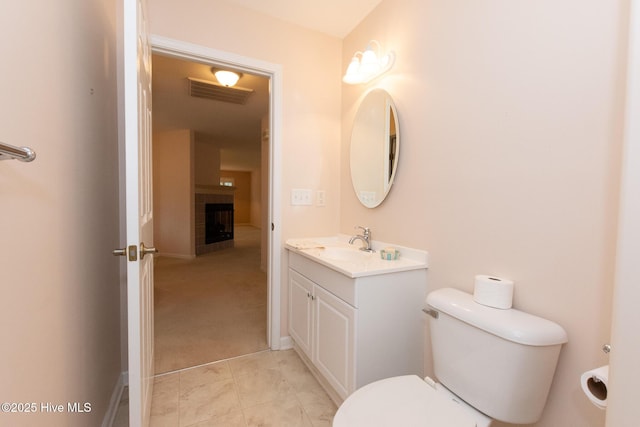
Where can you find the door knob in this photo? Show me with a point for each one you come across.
(119, 252)
(146, 250)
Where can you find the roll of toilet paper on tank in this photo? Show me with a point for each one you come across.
(595, 384)
(493, 292)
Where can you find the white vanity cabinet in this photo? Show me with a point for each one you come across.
(356, 330)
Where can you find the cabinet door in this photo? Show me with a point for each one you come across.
(300, 291)
(334, 340)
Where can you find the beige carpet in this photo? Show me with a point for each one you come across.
(210, 308)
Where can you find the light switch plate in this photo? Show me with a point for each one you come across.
(321, 197)
(301, 197)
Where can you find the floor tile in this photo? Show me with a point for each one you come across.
(201, 402)
(262, 387)
(253, 363)
(318, 406)
(234, 418)
(281, 413)
(204, 374)
(164, 403)
(272, 388)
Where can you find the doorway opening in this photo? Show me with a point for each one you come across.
(258, 235)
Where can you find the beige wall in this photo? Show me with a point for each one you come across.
(255, 215)
(510, 118)
(242, 195)
(207, 161)
(173, 193)
(60, 300)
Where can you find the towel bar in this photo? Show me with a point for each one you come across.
(8, 152)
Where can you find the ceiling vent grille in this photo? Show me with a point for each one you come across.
(214, 91)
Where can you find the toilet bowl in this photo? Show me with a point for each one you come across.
(407, 401)
(491, 364)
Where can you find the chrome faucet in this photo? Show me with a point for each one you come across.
(365, 237)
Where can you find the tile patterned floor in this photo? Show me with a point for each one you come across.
(270, 388)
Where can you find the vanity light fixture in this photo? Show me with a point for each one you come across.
(225, 77)
(366, 66)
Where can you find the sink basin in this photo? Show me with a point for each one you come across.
(344, 254)
(334, 252)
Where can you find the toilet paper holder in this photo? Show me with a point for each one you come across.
(597, 387)
(594, 382)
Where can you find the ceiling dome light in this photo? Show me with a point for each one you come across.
(226, 78)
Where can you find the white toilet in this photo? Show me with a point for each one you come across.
(490, 364)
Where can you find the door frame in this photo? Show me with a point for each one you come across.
(191, 52)
(625, 350)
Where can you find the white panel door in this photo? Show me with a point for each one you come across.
(139, 215)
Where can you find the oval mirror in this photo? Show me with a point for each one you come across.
(375, 144)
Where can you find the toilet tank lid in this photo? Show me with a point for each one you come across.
(511, 324)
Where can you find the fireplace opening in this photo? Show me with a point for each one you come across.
(218, 222)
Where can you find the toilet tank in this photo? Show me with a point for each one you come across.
(501, 362)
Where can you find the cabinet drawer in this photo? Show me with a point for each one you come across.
(334, 282)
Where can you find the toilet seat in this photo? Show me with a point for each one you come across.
(406, 401)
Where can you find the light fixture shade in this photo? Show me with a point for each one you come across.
(352, 76)
(369, 66)
(227, 78)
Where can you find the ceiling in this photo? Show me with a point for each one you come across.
(334, 17)
(236, 128)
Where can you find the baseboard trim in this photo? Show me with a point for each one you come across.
(114, 403)
(179, 256)
(286, 343)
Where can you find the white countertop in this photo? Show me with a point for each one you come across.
(336, 253)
